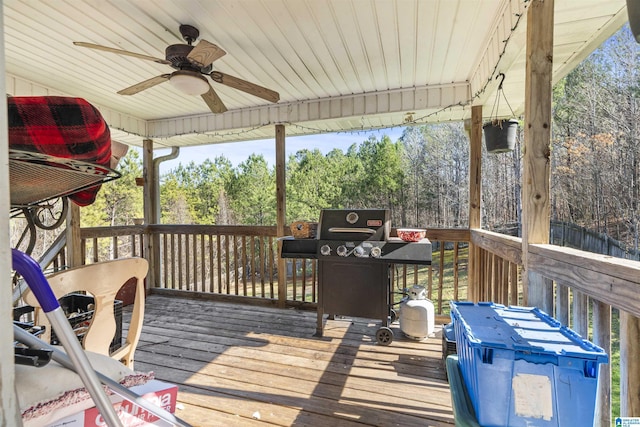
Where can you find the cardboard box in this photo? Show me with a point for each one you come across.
(159, 393)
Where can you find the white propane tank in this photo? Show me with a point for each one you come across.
(417, 314)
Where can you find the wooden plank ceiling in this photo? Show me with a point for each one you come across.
(337, 64)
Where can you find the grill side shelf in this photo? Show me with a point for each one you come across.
(400, 252)
(298, 248)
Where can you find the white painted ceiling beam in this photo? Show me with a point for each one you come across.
(391, 101)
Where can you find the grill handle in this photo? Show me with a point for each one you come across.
(351, 230)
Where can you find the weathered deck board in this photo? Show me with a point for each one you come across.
(235, 364)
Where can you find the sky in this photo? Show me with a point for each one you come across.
(238, 152)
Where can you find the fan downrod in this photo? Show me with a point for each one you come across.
(189, 33)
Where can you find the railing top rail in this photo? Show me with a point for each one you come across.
(449, 234)
(613, 281)
(507, 247)
(120, 230)
(435, 234)
(237, 230)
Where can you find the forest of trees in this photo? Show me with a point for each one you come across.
(423, 176)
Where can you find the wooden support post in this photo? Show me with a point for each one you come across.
(75, 256)
(150, 180)
(538, 291)
(475, 201)
(281, 202)
(629, 365)
(10, 412)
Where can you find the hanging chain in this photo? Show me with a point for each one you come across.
(496, 102)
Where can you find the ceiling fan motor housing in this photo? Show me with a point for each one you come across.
(177, 55)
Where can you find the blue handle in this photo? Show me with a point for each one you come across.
(30, 270)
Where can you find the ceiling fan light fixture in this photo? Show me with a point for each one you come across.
(189, 82)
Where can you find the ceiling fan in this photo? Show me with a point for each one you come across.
(192, 64)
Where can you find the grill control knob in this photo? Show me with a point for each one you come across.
(342, 250)
(376, 252)
(325, 250)
(360, 252)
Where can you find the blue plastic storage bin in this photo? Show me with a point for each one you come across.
(523, 368)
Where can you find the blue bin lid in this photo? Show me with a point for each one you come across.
(522, 329)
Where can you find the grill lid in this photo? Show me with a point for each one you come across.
(354, 224)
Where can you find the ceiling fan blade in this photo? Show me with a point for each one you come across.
(139, 87)
(122, 52)
(205, 53)
(213, 101)
(245, 86)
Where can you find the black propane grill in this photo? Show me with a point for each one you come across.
(355, 254)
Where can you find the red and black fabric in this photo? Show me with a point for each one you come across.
(65, 127)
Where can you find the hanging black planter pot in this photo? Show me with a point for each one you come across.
(500, 135)
(633, 10)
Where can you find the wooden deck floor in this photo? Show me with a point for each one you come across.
(240, 365)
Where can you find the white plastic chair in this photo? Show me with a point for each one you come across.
(102, 280)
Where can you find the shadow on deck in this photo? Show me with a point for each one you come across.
(241, 365)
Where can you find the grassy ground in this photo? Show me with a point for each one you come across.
(432, 281)
(614, 360)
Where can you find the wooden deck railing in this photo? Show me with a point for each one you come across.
(107, 243)
(241, 261)
(499, 260)
(224, 260)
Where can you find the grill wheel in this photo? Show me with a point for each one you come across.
(384, 336)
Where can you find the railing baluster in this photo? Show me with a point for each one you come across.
(194, 238)
(202, 263)
(294, 276)
(441, 277)
(404, 276)
(271, 264)
(243, 259)
(562, 304)
(95, 249)
(262, 258)
(580, 314)
(219, 261)
(211, 270)
(234, 267)
(114, 246)
(488, 263)
(456, 270)
(165, 268)
(180, 259)
(430, 282)
(304, 280)
(226, 264)
(504, 266)
(252, 264)
(63, 256)
(187, 266)
(314, 270)
(174, 264)
(513, 285)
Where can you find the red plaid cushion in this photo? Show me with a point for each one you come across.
(64, 127)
